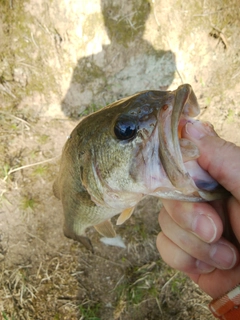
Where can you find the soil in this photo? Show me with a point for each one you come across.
(60, 60)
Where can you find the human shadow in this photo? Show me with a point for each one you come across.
(125, 66)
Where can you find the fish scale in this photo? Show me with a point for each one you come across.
(126, 151)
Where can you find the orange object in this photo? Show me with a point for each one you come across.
(228, 306)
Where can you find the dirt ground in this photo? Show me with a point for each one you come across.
(63, 59)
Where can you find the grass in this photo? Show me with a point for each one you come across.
(90, 109)
(5, 171)
(139, 285)
(28, 203)
(230, 116)
(44, 138)
(17, 287)
(40, 171)
(89, 312)
(5, 317)
(141, 230)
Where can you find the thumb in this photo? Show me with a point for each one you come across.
(219, 157)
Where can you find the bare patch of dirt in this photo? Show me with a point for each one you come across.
(61, 59)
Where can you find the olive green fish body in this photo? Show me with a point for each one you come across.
(126, 151)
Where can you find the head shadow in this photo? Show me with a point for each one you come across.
(123, 21)
(128, 64)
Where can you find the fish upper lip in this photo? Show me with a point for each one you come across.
(184, 105)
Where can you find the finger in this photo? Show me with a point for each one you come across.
(217, 156)
(234, 216)
(217, 282)
(222, 254)
(178, 259)
(200, 219)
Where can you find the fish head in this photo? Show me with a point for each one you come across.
(133, 148)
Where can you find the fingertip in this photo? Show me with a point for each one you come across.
(204, 267)
(201, 219)
(204, 227)
(198, 129)
(224, 254)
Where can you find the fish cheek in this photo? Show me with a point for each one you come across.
(137, 165)
(144, 140)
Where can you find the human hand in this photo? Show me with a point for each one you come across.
(192, 238)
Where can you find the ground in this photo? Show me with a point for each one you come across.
(58, 61)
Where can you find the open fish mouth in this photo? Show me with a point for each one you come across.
(179, 155)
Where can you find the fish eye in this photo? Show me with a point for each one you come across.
(125, 128)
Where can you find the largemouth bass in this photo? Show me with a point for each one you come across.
(126, 151)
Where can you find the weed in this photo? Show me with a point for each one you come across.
(14, 127)
(43, 138)
(230, 116)
(139, 284)
(90, 109)
(28, 203)
(177, 284)
(89, 312)
(4, 316)
(40, 171)
(141, 229)
(208, 101)
(5, 170)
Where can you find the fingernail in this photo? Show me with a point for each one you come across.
(204, 227)
(199, 129)
(204, 267)
(223, 255)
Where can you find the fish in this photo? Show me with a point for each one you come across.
(126, 151)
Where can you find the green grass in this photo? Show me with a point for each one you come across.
(43, 138)
(4, 170)
(90, 109)
(28, 203)
(40, 171)
(230, 116)
(177, 284)
(90, 312)
(5, 316)
(139, 284)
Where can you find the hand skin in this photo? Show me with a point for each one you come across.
(192, 238)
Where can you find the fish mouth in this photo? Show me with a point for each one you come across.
(177, 154)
